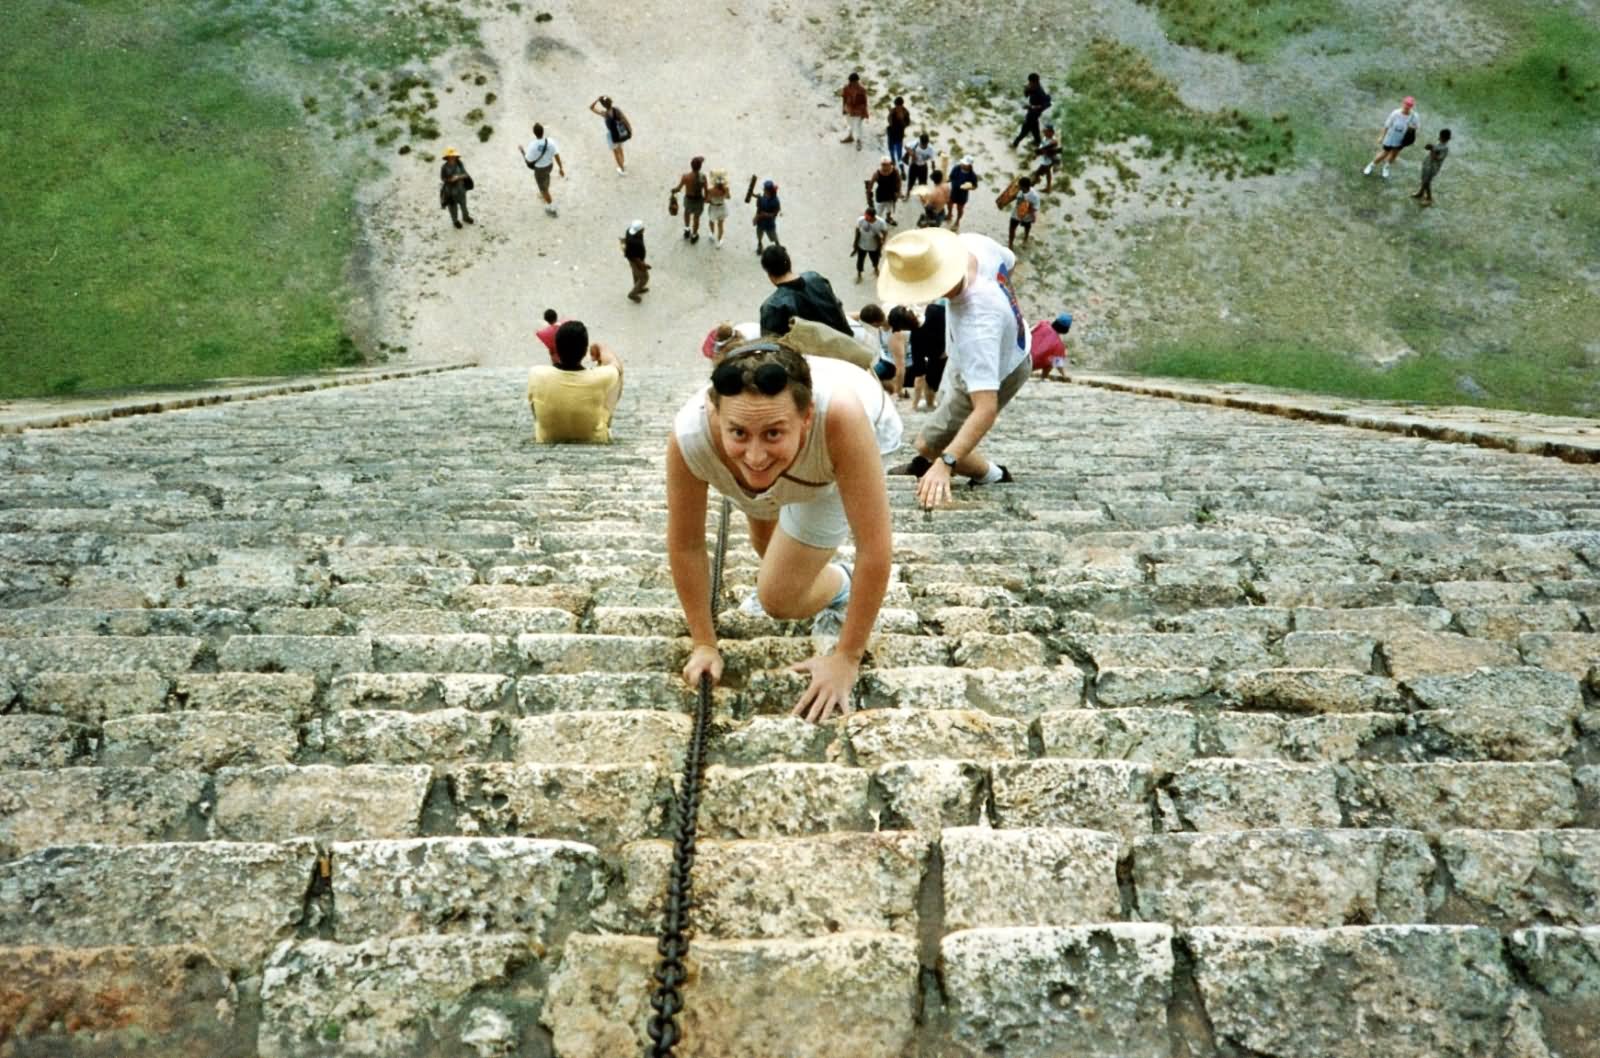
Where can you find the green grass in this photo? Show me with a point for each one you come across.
(1250, 30)
(171, 224)
(1538, 380)
(1547, 88)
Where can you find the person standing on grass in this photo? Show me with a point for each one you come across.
(796, 443)
(869, 235)
(717, 195)
(883, 189)
(767, 209)
(454, 183)
(1048, 154)
(1437, 153)
(571, 405)
(919, 160)
(633, 250)
(1024, 211)
(988, 349)
(541, 154)
(693, 184)
(895, 134)
(806, 295)
(963, 178)
(1399, 130)
(1038, 101)
(855, 110)
(618, 129)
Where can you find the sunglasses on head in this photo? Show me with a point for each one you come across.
(730, 379)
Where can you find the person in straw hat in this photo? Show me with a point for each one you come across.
(454, 183)
(717, 196)
(988, 354)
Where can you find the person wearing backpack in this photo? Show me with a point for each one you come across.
(1024, 211)
(1038, 103)
(541, 154)
(618, 129)
(693, 185)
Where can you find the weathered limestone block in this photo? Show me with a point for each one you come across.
(928, 795)
(1508, 878)
(1435, 797)
(1268, 621)
(1112, 796)
(1029, 877)
(1224, 794)
(414, 623)
(1045, 992)
(151, 895)
(1247, 736)
(590, 653)
(91, 697)
(557, 692)
(509, 622)
(1508, 621)
(388, 736)
(640, 621)
(1318, 878)
(168, 655)
(913, 687)
(1336, 738)
(783, 800)
(321, 656)
(1176, 651)
(770, 739)
(108, 1002)
(1119, 688)
(28, 742)
(1354, 992)
(1311, 691)
(1500, 691)
(1166, 739)
(115, 806)
(845, 994)
(353, 803)
(892, 651)
(1562, 966)
(419, 691)
(1532, 734)
(1461, 594)
(466, 652)
(1024, 693)
(544, 889)
(981, 650)
(199, 741)
(242, 692)
(1352, 651)
(1574, 653)
(883, 736)
(787, 887)
(606, 805)
(293, 621)
(1413, 654)
(624, 736)
(1380, 621)
(392, 996)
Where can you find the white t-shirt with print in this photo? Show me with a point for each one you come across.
(541, 154)
(1395, 127)
(988, 337)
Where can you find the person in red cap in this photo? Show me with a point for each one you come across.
(1398, 131)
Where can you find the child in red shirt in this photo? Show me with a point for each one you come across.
(1049, 351)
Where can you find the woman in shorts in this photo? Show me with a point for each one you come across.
(618, 129)
(796, 443)
(717, 203)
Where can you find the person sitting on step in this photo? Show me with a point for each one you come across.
(796, 443)
(572, 405)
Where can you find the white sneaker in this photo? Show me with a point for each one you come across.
(621, 171)
(1368, 170)
(1386, 172)
(830, 619)
(751, 607)
(550, 210)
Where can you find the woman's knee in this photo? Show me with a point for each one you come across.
(782, 603)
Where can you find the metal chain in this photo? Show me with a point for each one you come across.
(673, 944)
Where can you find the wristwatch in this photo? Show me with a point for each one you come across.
(948, 459)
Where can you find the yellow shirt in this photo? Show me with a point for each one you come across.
(570, 407)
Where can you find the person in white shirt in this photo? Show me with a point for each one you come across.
(989, 361)
(540, 155)
(1401, 122)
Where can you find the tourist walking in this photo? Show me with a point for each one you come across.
(1024, 211)
(988, 352)
(963, 178)
(806, 295)
(1437, 153)
(895, 134)
(633, 250)
(854, 98)
(717, 195)
(1038, 101)
(883, 189)
(796, 443)
(767, 209)
(919, 161)
(1399, 131)
(454, 183)
(1048, 154)
(693, 184)
(618, 129)
(869, 235)
(541, 155)
(935, 202)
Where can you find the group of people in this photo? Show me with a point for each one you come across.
(1399, 132)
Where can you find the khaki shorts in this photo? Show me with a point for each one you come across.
(956, 404)
(541, 176)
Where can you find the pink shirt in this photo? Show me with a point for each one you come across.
(1048, 348)
(547, 335)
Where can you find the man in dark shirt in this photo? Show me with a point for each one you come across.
(807, 295)
(633, 250)
(1038, 103)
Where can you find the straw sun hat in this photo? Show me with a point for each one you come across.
(921, 265)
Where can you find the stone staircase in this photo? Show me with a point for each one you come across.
(348, 724)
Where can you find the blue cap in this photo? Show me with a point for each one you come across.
(1062, 323)
(768, 185)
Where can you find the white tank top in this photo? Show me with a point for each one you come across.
(811, 475)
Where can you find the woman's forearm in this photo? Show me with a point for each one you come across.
(691, 576)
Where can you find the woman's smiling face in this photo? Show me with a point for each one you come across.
(760, 436)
